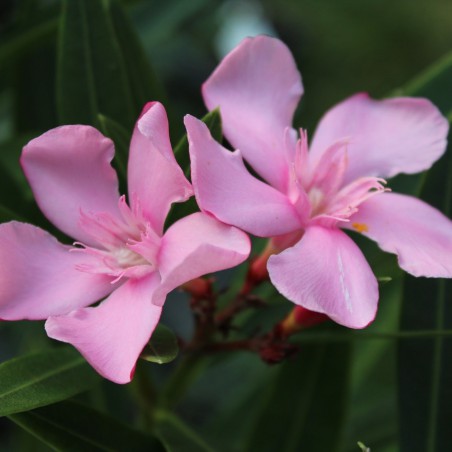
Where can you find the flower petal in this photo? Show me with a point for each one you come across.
(112, 335)
(326, 272)
(69, 170)
(420, 235)
(155, 178)
(197, 245)
(400, 135)
(224, 187)
(257, 87)
(39, 276)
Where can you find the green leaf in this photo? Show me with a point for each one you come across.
(22, 41)
(162, 348)
(435, 83)
(71, 427)
(43, 378)
(121, 138)
(177, 436)
(16, 197)
(422, 365)
(425, 367)
(7, 215)
(102, 68)
(308, 392)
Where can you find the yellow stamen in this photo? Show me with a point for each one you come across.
(361, 227)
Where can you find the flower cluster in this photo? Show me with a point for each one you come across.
(302, 200)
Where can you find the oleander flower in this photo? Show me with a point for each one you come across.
(121, 251)
(304, 199)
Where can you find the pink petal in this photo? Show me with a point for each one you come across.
(400, 135)
(197, 245)
(69, 170)
(420, 235)
(224, 187)
(257, 87)
(39, 275)
(155, 178)
(326, 272)
(112, 335)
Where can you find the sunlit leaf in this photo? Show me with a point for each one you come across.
(43, 378)
(71, 427)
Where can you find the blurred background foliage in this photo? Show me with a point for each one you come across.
(392, 394)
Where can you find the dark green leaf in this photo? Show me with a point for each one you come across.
(145, 86)
(177, 436)
(35, 109)
(101, 65)
(308, 392)
(22, 41)
(435, 83)
(7, 214)
(10, 152)
(43, 378)
(121, 138)
(425, 367)
(162, 348)
(169, 19)
(71, 427)
(16, 201)
(225, 396)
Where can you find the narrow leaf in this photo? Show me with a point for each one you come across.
(43, 378)
(425, 367)
(308, 392)
(22, 41)
(101, 65)
(121, 138)
(162, 348)
(435, 83)
(177, 436)
(8, 215)
(72, 427)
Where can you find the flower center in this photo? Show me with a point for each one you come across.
(318, 188)
(125, 246)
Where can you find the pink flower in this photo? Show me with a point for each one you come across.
(306, 199)
(122, 252)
